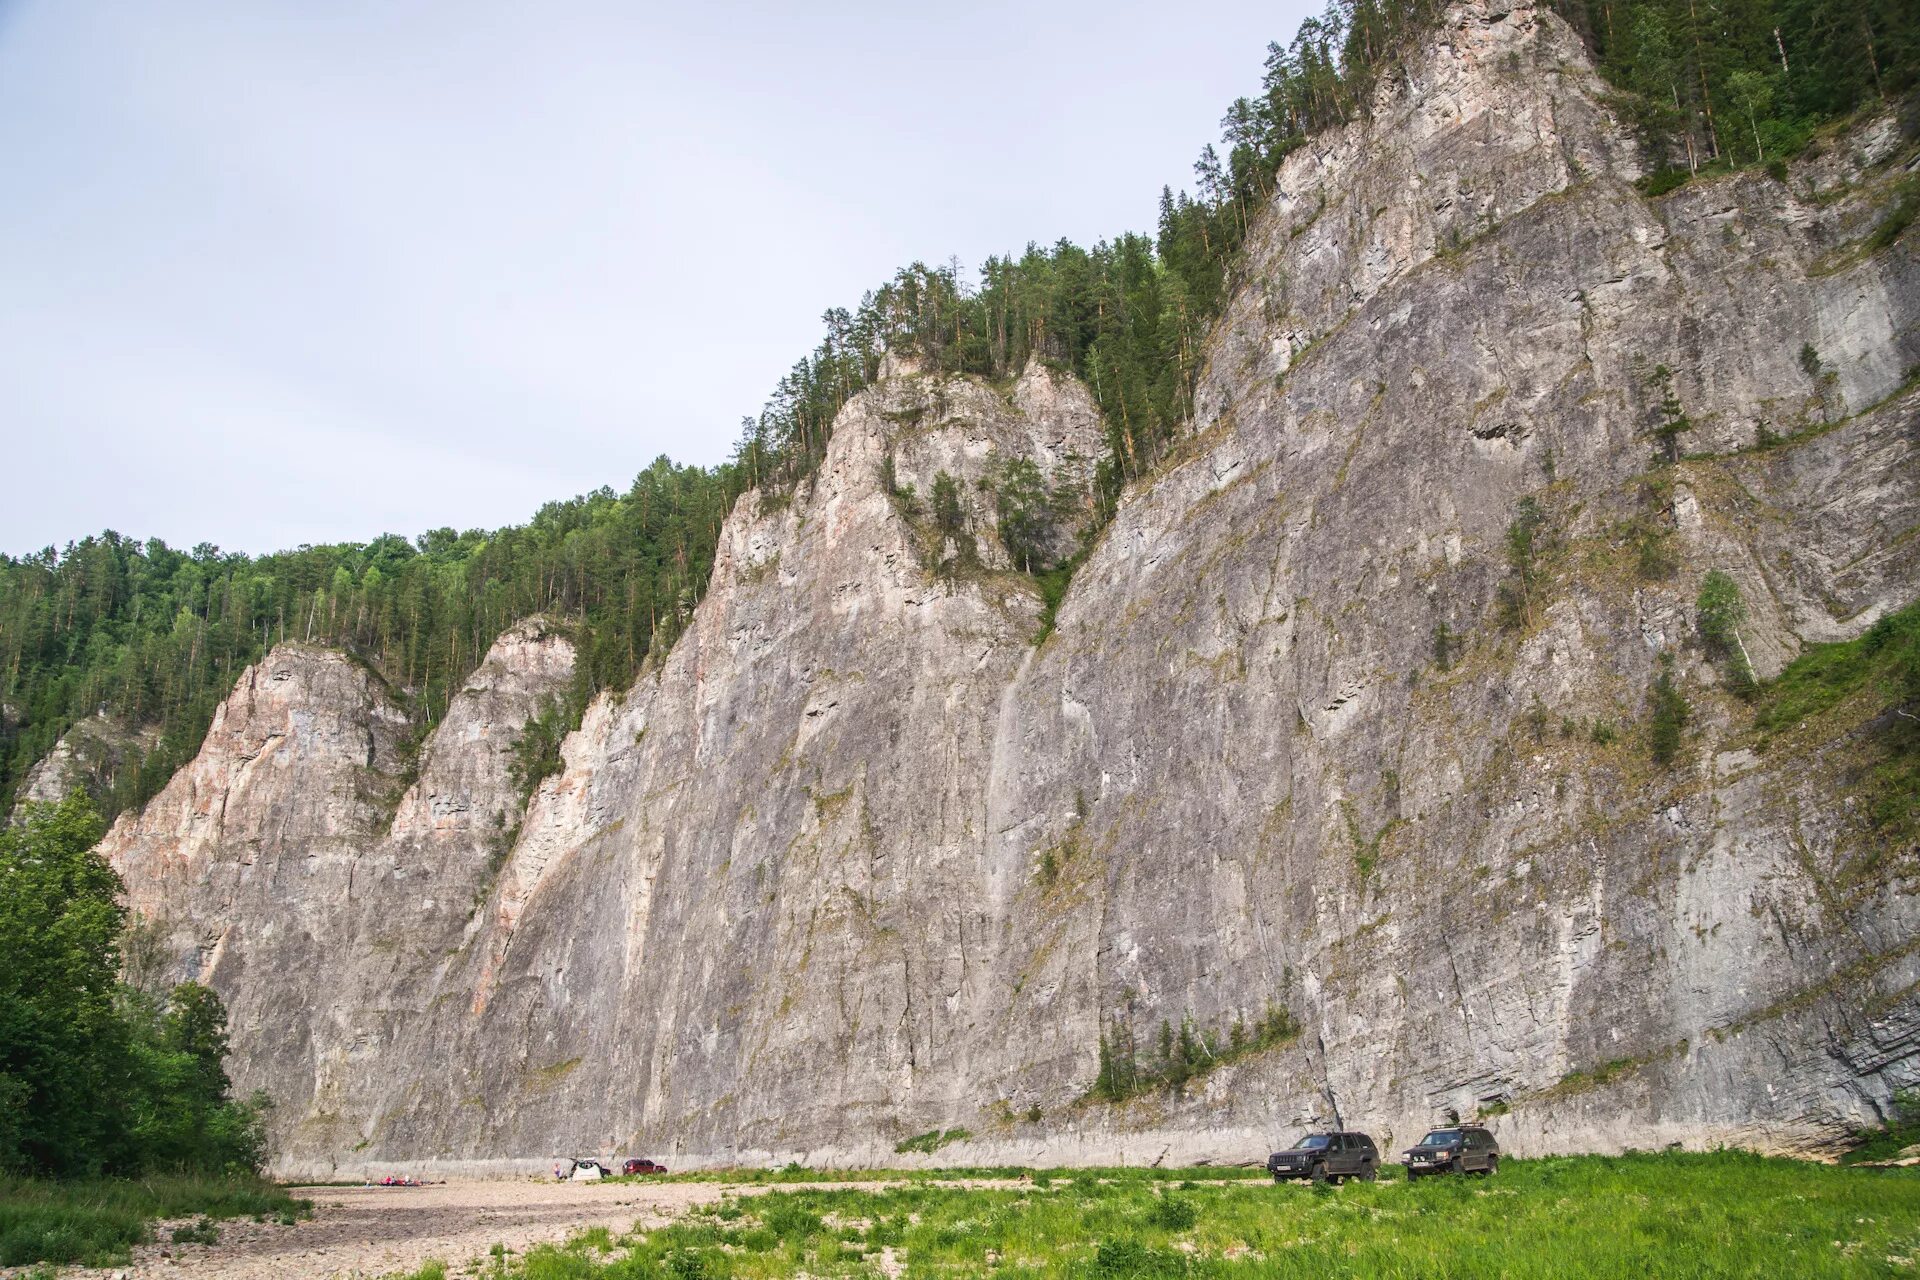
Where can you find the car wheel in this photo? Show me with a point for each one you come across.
(1493, 1166)
(1319, 1175)
(1368, 1173)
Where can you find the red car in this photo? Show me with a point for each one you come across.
(632, 1167)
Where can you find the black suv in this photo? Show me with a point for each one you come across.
(1462, 1149)
(1327, 1157)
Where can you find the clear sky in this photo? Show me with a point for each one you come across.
(274, 273)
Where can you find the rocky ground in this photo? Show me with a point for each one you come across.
(376, 1231)
(367, 1232)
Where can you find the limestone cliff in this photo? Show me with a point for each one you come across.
(859, 860)
(91, 757)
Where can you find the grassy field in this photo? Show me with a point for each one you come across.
(1725, 1214)
(97, 1221)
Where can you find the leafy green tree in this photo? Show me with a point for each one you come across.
(184, 1117)
(62, 1044)
(95, 1075)
(1720, 611)
(1753, 93)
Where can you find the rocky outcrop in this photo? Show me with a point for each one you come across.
(312, 853)
(91, 757)
(859, 860)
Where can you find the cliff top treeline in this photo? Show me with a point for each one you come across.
(156, 636)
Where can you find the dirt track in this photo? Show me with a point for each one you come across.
(375, 1231)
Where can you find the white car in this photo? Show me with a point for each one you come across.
(582, 1170)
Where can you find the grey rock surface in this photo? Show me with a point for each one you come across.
(858, 860)
(89, 757)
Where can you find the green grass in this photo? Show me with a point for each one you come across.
(1877, 675)
(1725, 1214)
(1824, 674)
(795, 1173)
(97, 1221)
(1053, 586)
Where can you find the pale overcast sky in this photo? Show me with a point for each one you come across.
(274, 273)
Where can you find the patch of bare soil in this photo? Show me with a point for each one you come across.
(359, 1232)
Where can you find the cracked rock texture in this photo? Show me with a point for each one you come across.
(858, 860)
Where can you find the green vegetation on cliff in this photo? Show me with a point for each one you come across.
(1878, 673)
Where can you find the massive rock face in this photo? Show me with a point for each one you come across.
(860, 860)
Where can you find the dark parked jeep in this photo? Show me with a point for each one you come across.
(1327, 1157)
(1463, 1149)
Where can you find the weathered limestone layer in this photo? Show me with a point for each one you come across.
(858, 860)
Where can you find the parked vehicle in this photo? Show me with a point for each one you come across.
(642, 1165)
(1461, 1149)
(581, 1170)
(1327, 1157)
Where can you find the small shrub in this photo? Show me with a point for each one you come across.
(1603, 733)
(689, 1264)
(1526, 542)
(1033, 1114)
(1173, 1213)
(1671, 712)
(931, 1141)
(1130, 1260)
(1810, 361)
(790, 1221)
(201, 1232)
(1901, 1131)
(1906, 207)
(536, 751)
(1661, 181)
(1654, 558)
(1445, 646)
(904, 499)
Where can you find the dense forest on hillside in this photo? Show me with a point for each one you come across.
(155, 636)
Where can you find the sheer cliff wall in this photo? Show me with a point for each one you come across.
(859, 859)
